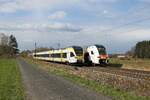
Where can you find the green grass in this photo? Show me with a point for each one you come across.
(10, 80)
(115, 93)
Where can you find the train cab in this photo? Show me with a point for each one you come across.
(75, 54)
(97, 54)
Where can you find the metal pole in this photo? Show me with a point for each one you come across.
(35, 49)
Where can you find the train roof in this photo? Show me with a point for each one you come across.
(72, 47)
(57, 50)
(99, 46)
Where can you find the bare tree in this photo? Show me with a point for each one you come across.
(4, 39)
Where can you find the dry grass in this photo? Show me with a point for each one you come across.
(138, 64)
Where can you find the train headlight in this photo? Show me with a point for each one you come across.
(103, 56)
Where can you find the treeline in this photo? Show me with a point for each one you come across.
(142, 49)
(8, 46)
(26, 53)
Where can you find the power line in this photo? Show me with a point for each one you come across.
(127, 24)
(130, 23)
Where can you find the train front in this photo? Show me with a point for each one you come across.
(79, 54)
(103, 56)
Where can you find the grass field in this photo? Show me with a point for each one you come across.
(138, 64)
(10, 80)
(115, 93)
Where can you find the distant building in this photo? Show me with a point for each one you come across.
(121, 56)
(4, 39)
(118, 56)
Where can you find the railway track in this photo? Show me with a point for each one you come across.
(130, 73)
(122, 72)
(136, 74)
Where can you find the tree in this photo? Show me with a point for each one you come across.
(5, 51)
(8, 46)
(13, 44)
(40, 49)
(142, 49)
(25, 53)
(3, 39)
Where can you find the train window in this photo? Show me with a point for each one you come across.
(46, 55)
(43, 55)
(102, 51)
(99, 46)
(64, 55)
(92, 52)
(52, 55)
(38, 55)
(57, 55)
(71, 54)
(78, 50)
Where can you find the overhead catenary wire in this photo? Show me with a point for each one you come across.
(129, 23)
(124, 25)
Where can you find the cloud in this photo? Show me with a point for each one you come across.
(42, 27)
(105, 11)
(9, 7)
(136, 35)
(102, 1)
(12, 6)
(147, 1)
(26, 5)
(125, 35)
(57, 15)
(63, 27)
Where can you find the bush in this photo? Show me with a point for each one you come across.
(6, 51)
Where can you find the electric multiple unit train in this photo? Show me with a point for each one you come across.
(95, 54)
(68, 55)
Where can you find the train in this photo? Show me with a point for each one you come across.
(95, 54)
(69, 55)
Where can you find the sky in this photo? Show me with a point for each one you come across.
(116, 24)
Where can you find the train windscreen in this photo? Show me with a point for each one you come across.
(78, 51)
(101, 49)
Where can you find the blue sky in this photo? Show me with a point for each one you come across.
(117, 24)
